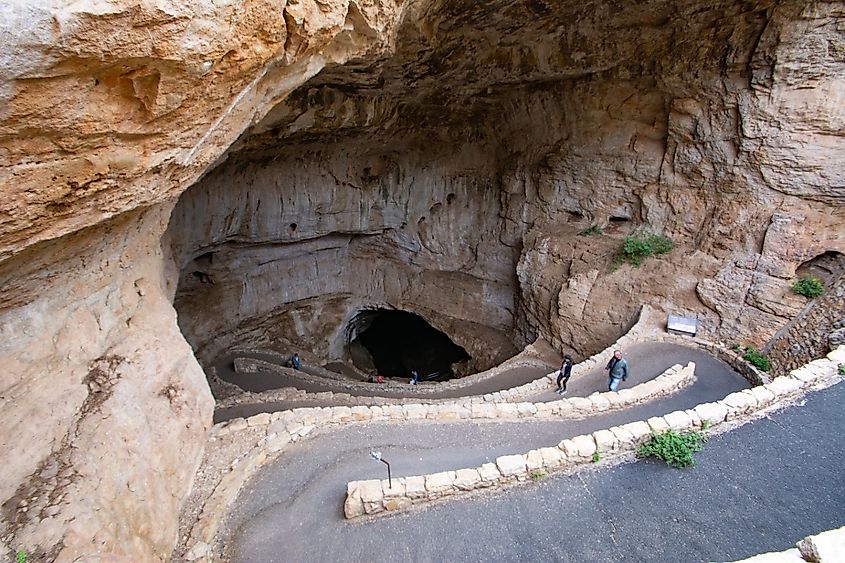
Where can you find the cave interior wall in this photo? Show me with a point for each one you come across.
(719, 125)
(452, 177)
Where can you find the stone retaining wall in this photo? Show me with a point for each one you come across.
(730, 357)
(826, 547)
(244, 364)
(376, 496)
(526, 358)
(673, 379)
(286, 427)
(283, 428)
(648, 328)
(806, 336)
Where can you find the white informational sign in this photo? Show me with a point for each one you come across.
(682, 325)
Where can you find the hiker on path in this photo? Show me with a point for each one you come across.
(617, 369)
(415, 377)
(295, 362)
(563, 376)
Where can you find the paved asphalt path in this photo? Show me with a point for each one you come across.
(258, 382)
(646, 361)
(292, 510)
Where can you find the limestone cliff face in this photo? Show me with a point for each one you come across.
(334, 155)
(678, 119)
(109, 106)
(108, 110)
(310, 238)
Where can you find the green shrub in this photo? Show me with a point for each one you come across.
(808, 286)
(842, 370)
(756, 359)
(20, 557)
(675, 449)
(591, 230)
(596, 456)
(537, 475)
(643, 243)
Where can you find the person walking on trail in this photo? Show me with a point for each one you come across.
(415, 377)
(563, 376)
(295, 362)
(617, 369)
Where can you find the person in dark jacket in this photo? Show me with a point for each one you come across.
(563, 375)
(617, 370)
(295, 362)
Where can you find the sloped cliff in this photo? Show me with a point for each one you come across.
(328, 156)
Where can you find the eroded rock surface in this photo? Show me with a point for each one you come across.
(439, 157)
(109, 111)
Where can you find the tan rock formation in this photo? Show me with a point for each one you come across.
(109, 111)
(439, 157)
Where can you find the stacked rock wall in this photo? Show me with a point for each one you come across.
(806, 337)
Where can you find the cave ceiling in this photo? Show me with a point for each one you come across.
(457, 65)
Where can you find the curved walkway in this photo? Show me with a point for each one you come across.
(292, 510)
(259, 382)
(759, 488)
(646, 362)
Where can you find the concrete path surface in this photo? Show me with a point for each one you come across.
(292, 510)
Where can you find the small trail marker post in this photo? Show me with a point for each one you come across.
(376, 455)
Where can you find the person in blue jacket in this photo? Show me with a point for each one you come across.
(295, 362)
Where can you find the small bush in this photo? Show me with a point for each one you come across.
(596, 457)
(643, 243)
(756, 359)
(20, 557)
(675, 449)
(537, 475)
(842, 370)
(808, 286)
(591, 230)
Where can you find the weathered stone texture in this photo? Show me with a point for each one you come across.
(459, 149)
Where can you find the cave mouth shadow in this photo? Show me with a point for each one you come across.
(395, 343)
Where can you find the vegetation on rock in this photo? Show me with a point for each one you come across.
(643, 243)
(756, 359)
(591, 230)
(808, 286)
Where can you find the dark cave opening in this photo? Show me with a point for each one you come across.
(398, 342)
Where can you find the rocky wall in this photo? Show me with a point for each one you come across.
(309, 239)
(643, 129)
(686, 145)
(806, 337)
(108, 110)
(719, 125)
(104, 406)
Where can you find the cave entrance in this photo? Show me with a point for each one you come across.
(397, 342)
(825, 267)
